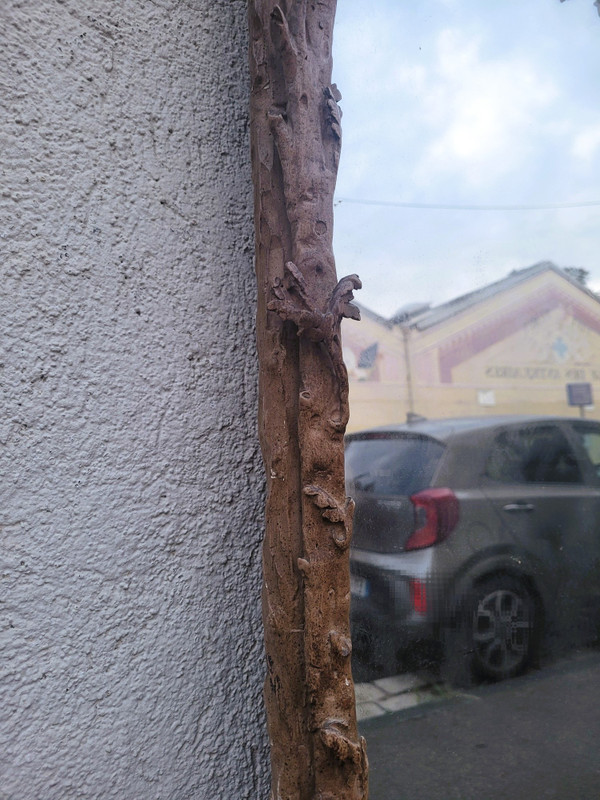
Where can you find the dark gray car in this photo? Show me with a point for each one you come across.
(479, 534)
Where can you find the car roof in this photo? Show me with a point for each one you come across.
(444, 429)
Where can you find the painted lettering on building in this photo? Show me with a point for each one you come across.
(538, 373)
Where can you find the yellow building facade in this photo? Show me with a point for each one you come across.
(512, 347)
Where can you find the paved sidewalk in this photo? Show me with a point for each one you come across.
(396, 693)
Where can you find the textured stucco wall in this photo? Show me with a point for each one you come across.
(130, 502)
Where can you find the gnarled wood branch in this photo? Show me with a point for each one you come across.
(296, 138)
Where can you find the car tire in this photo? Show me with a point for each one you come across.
(496, 632)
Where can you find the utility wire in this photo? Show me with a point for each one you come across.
(451, 207)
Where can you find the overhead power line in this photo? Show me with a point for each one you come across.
(456, 207)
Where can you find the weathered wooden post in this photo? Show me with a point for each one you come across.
(316, 752)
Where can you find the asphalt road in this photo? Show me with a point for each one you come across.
(533, 738)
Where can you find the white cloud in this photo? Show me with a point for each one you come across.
(587, 143)
(487, 111)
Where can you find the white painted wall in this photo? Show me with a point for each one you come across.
(130, 498)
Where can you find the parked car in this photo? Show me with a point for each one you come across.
(479, 534)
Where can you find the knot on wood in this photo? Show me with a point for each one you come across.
(305, 399)
(338, 425)
(290, 301)
(334, 512)
(334, 112)
(340, 745)
(340, 644)
(303, 566)
(340, 303)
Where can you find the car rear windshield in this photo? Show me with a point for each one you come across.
(391, 465)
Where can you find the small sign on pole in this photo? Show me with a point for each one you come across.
(580, 394)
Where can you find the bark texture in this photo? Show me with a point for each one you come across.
(296, 137)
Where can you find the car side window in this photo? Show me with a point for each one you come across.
(590, 439)
(533, 455)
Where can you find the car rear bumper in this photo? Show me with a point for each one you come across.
(379, 637)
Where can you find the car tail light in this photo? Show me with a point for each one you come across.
(436, 515)
(418, 595)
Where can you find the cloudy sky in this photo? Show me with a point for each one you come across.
(465, 103)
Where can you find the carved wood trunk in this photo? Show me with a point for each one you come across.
(295, 135)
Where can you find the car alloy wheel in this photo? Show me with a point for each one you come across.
(503, 617)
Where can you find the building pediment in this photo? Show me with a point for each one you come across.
(519, 315)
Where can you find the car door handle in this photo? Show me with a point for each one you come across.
(518, 507)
